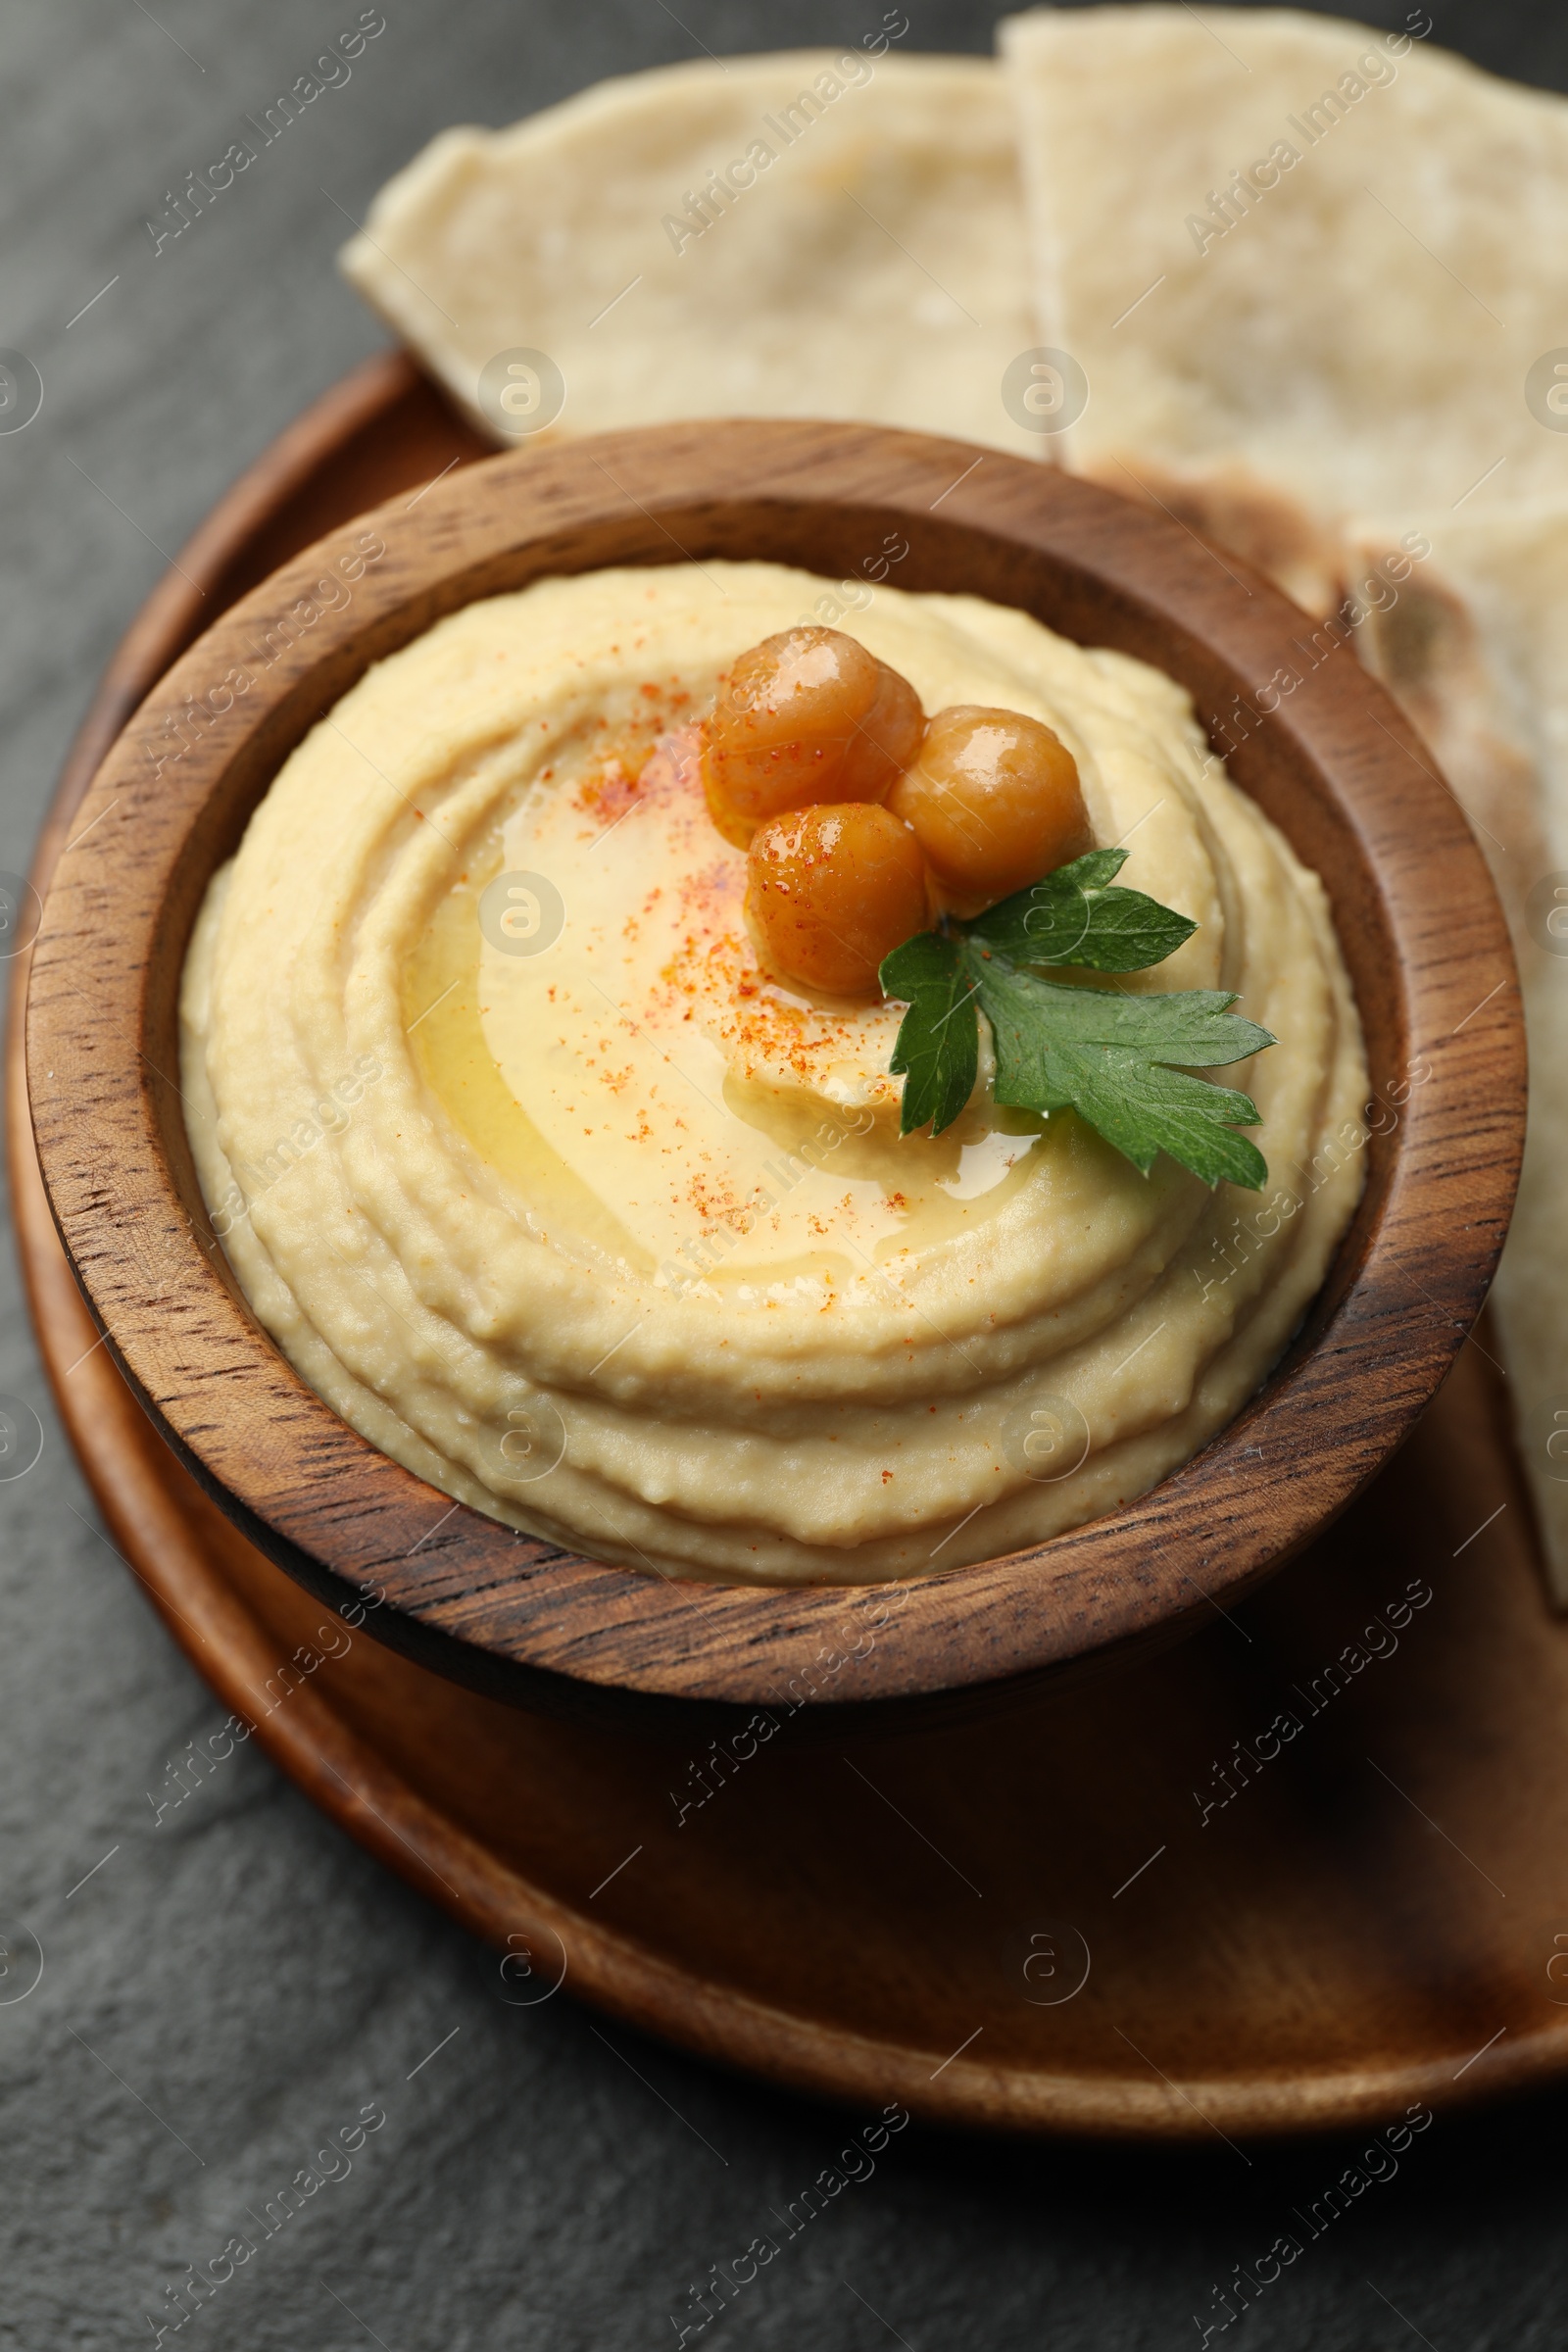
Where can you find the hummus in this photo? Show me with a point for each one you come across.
(551, 1193)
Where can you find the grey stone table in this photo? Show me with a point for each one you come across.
(224, 1990)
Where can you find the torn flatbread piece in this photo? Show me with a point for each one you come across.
(1288, 245)
(828, 233)
(1481, 660)
(1324, 297)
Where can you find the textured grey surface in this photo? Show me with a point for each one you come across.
(230, 1986)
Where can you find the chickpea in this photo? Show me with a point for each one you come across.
(805, 716)
(994, 800)
(830, 891)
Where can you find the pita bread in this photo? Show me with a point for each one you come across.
(1360, 333)
(1493, 677)
(1446, 651)
(875, 268)
(1357, 339)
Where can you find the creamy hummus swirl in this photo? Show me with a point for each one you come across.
(544, 1186)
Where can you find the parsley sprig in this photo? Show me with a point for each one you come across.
(1121, 1061)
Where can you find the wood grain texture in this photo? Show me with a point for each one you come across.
(1311, 1955)
(1334, 765)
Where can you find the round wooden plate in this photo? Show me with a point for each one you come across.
(1148, 1908)
(1331, 760)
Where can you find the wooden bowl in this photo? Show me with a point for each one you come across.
(1334, 764)
(1367, 1962)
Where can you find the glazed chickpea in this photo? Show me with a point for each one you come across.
(805, 716)
(830, 891)
(994, 800)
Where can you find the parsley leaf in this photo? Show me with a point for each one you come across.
(1107, 1057)
(937, 1052)
(1075, 916)
(1121, 1061)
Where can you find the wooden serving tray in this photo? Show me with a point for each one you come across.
(1305, 1869)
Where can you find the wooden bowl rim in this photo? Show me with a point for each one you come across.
(531, 1622)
